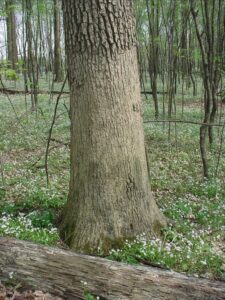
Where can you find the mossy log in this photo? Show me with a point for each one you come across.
(62, 273)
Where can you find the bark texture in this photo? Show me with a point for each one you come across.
(11, 33)
(31, 63)
(58, 69)
(61, 272)
(110, 198)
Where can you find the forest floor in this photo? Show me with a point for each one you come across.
(9, 293)
(193, 243)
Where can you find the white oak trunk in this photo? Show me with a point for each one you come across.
(110, 198)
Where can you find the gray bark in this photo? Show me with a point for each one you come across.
(31, 62)
(11, 34)
(62, 272)
(58, 69)
(110, 198)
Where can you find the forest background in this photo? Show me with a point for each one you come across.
(180, 49)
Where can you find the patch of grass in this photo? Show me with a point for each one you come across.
(22, 227)
(87, 294)
(29, 209)
(38, 199)
(191, 253)
(33, 218)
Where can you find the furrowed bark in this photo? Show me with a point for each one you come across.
(110, 198)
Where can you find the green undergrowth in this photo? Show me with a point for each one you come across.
(192, 243)
(29, 209)
(33, 218)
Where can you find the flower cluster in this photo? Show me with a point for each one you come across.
(192, 254)
(21, 227)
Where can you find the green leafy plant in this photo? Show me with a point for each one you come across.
(21, 227)
(11, 74)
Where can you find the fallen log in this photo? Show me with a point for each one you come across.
(23, 92)
(62, 272)
(151, 93)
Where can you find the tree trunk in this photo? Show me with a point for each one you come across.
(110, 198)
(62, 273)
(11, 34)
(58, 69)
(31, 62)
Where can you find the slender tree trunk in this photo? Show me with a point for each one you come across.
(153, 49)
(50, 44)
(31, 56)
(210, 67)
(110, 198)
(58, 68)
(25, 71)
(11, 34)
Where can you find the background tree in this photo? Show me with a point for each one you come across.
(11, 33)
(110, 198)
(31, 55)
(58, 68)
(152, 8)
(212, 50)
